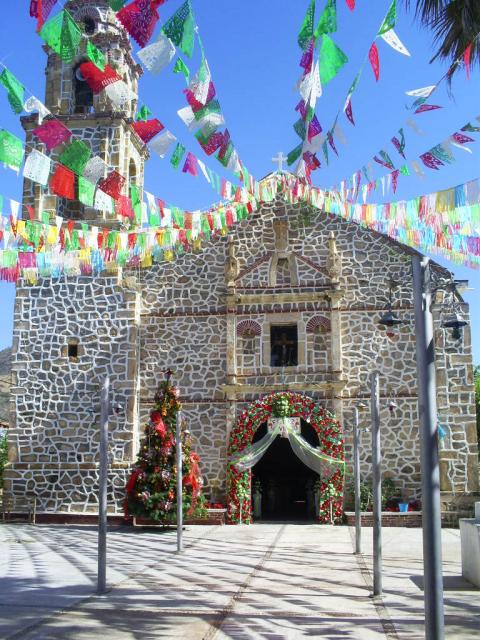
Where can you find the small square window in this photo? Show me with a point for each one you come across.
(284, 345)
(73, 350)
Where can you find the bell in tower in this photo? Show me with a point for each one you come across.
(99, 120)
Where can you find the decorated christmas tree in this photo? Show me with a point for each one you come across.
(151, 490)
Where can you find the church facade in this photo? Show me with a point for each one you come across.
(289, 302)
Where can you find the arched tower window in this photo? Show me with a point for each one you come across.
(89, 25)
(83, 95)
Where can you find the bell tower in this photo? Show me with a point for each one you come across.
(101, 124)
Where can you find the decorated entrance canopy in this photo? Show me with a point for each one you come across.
(327, 460)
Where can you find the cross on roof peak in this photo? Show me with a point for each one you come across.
(280, 158)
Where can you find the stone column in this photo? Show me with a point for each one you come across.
(336, 348)
(231, 273)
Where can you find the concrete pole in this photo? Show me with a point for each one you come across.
(102, 489)
(377, 484)
(427, 409)
(178, 439)
(356, 478)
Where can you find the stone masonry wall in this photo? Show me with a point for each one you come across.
(185, 325)
(188, 321)
(53, 445)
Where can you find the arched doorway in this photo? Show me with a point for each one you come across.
(282, 485)
(319, 428)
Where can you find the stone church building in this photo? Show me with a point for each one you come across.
(290, 301)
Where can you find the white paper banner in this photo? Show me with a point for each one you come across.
(203, 169)
(394, 41)
(95, 170)
(14, 209)
(103, 202)
(158, 55)
(120, 93)
(34, 104)
(424, 92)
(162, 143)
(413, 126)
(199, 87)
(460, 146)
(418, 170)
(37, 167)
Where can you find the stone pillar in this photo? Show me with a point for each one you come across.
(336, 348)
(231, 273)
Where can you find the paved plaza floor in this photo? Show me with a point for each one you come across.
(269, 581)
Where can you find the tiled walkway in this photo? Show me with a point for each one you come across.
(265, 581)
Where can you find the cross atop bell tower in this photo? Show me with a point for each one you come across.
(102, 124)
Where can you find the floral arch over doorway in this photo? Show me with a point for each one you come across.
(330, 434)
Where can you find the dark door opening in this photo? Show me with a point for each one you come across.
(287, 484)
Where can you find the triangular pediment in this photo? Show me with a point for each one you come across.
(259, 273)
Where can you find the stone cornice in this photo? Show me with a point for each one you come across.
(233, 300)
(244, 389)
(93, 120)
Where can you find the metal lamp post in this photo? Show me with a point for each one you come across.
(178, 438)
(102, 491)
(356, 476)
(377, 484)
(427, 409)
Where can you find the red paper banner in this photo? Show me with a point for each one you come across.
(146, 130)
(374, 60)
(113, 184)
(139, 19)
(62, 183)
(97, 79)
(52, 133)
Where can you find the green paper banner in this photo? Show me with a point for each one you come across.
(62, 34)
(11, 149)
(116, 5)
(16, 90)
(188, 39)
(300, 129)
(181, 67)
(143, 114)
(332, 59)
(294, 154)
(136, 203)
(177, 155)
(176, 26)
(76, 156)
(86, 192)
(96, 56)
(327, 22)
(306, 30)
(390, 19)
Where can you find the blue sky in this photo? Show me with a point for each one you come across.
(253, 54)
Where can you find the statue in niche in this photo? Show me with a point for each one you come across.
(272, 489)
(334, 262)
(231, 264)
(257, 500)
